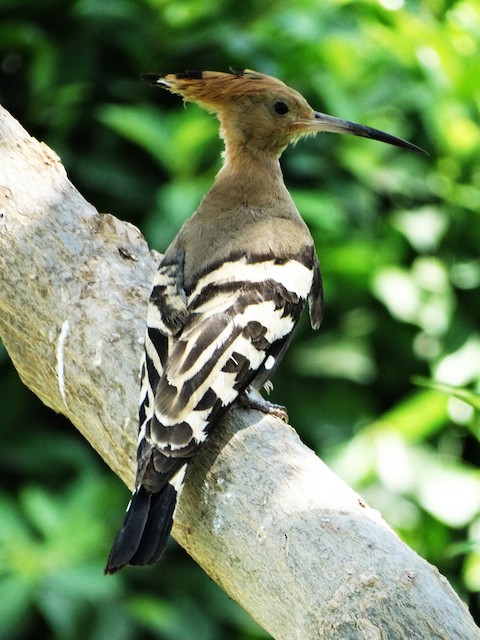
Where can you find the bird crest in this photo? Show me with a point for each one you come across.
(215, 88)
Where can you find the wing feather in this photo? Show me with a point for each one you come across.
(315, 298)
(233, 329)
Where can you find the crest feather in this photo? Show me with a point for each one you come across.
(215, 88)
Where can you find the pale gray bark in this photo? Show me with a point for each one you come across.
(261, 513)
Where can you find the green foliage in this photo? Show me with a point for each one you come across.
(397, 235)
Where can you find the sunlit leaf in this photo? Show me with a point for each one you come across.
(416, 417)
(466, 395)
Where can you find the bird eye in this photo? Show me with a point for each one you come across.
(280, 108)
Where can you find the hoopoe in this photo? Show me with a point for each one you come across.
(228, 292)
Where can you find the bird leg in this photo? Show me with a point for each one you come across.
(251, 399)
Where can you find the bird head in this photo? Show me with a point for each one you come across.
(259, 113)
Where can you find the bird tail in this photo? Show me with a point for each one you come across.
(145, 529)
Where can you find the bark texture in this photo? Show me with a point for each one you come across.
(265, 518)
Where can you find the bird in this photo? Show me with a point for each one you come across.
(227, 294)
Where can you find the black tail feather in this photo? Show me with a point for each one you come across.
(157, 528)
(145, 529)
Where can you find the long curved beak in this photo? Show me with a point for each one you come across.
(323, 122)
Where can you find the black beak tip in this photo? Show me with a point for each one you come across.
(389, 139)
(422, 151)
(413, 147)
(381, 136)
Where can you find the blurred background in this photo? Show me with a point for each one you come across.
(386, 392)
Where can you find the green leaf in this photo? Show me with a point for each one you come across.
(417, 417)
(15, 610)
(175, 142)
(468, 396)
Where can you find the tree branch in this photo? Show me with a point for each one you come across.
(260, 513)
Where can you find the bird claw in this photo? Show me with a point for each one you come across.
(268, 387)
(254, 400)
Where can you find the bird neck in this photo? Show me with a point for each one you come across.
(251, 179)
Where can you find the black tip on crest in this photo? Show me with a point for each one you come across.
(150, 78)
(237, 71)
(189, 74)
(154, 78)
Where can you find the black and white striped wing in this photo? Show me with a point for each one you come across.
(239, 315)
(167, 311)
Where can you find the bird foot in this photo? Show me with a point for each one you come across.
(253, 400)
